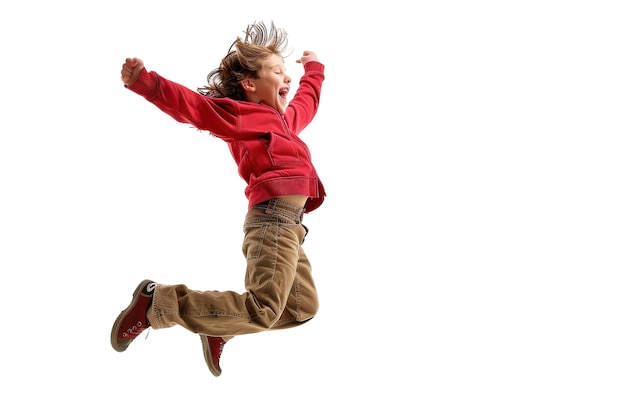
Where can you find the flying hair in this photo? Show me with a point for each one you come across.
(244, 60)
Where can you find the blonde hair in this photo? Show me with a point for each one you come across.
(244, 59)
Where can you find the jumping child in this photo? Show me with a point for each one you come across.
(245, 104)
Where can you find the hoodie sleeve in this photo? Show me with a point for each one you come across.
(216, 115)
(305, 102)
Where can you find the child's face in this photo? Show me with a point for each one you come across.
(272, 86)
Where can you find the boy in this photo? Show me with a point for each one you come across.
(245, 104)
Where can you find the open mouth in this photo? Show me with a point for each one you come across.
(283, 92)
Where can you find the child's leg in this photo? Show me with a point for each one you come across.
(302, 304)
(271, 246)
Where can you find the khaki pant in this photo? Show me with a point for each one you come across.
(280, 291)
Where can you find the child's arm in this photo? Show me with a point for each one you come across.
(219, 116)
(305, 102)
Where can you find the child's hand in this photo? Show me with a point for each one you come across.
(307, 56)
(131, 70)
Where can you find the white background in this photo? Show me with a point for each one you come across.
(469, 257)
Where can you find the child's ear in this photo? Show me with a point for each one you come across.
(248, 85)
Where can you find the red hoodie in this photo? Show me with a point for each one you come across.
(270, 156)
